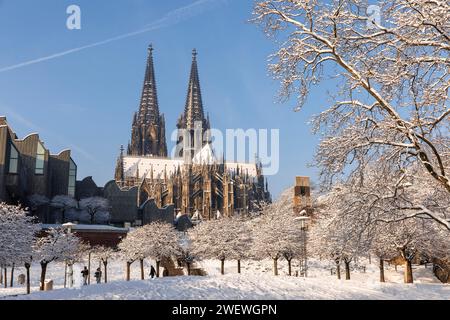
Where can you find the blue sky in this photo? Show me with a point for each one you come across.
(85, 100)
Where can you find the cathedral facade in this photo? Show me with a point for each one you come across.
(195, 182)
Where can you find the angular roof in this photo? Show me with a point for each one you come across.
(205, 156)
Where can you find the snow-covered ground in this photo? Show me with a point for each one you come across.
(255, 282)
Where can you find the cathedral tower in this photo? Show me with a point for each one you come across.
(148, 136)
(192, 124)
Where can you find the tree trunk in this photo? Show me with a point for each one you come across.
(65, 274)
(105, 264)
(27, 267)
(290, 267)
(157, 268)
(5, 278)
(408, 272)
(275, 266)
(239, 266)
(89, 268)
(128, 270)
(1, 275)
(370, 259)
(43, 273)
(347, 270)
(222, 266)
(188, 268)
(142, 268)
(11, 283)
(382, 270)
(338, 271)
(395, 267)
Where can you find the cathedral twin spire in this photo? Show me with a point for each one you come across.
(149, 109)
(148, 129)
(148, 133)
(193, 111)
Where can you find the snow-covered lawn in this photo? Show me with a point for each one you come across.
(255, 282)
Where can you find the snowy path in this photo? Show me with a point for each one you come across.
(253, 287)
(256, 282)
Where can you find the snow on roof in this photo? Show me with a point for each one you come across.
(85, 227)
(147, 164)
(196, 215)
(179, 215)
(249, 168)
(160, 165)
(205, 156)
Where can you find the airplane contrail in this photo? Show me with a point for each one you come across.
(173, 17)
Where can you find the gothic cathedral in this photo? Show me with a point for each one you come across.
(195, 182)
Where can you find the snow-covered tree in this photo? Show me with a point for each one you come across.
(257, 207)
(134, 248)
(96, 207)
(104, 254)
(412, 237)
(35, 203)
(266, 233)
(340, 230)
(58, 245)
(64, 204)
(277, 233)
(413, 194)
(223, 239)
(76, 255)
(392, 105)
(156, 240)
(372, 211)
(163, 242)
(240, 228)
(17, 235)
(186, 257)
(381, 244)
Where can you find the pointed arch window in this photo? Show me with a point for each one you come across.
(40, 159)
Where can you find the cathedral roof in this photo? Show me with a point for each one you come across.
(145, 165)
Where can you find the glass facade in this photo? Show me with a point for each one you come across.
(40, 159)
(72, 178)
(13, 160)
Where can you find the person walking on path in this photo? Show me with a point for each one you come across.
(152, 272)
(98, 275)
(85, 274)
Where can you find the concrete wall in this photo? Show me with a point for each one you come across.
(123, 203)
(151, 213)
